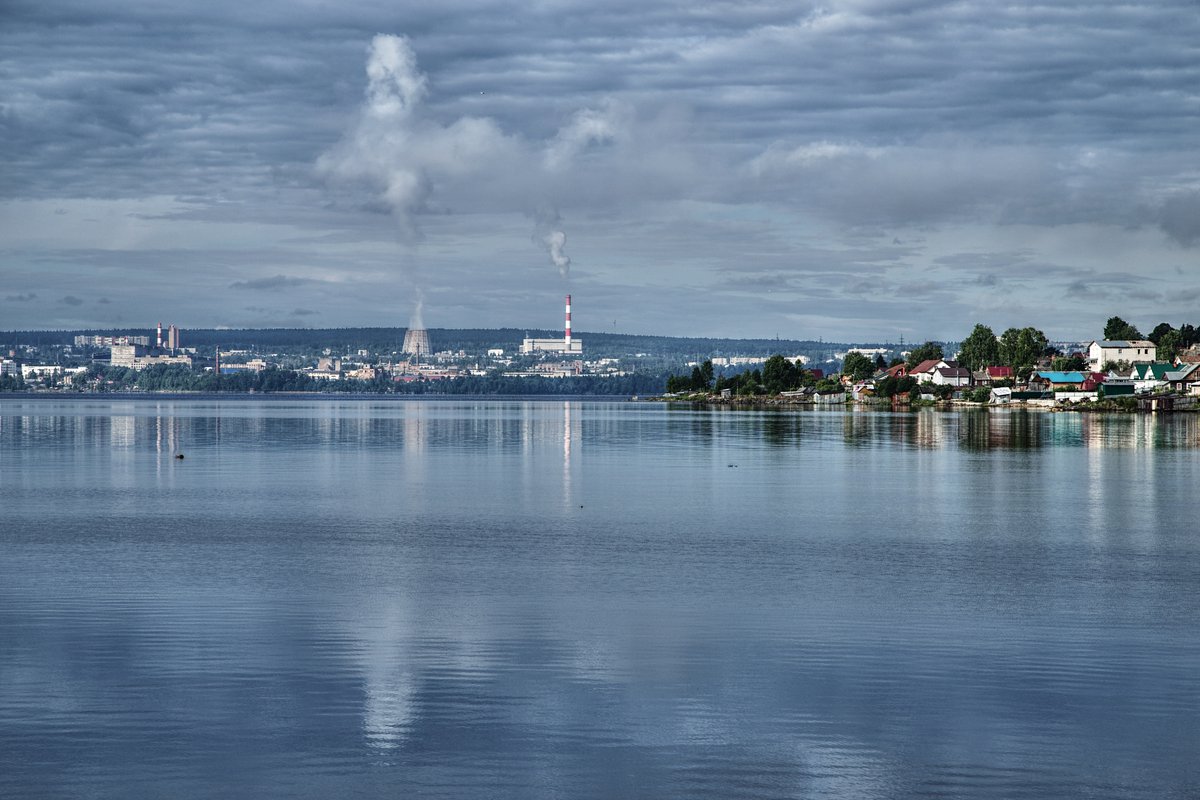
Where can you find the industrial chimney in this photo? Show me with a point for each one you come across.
(158, 339)
(567, 336)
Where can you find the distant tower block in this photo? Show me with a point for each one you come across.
(416, 342)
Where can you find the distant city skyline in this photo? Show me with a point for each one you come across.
(856, 171)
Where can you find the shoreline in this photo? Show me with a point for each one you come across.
(1145, 404)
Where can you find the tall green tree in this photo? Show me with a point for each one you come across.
(980, 349)
(925, 352)
(1020, 348)
(1159, 331)
(780, 375)
(1169, 345)
(858, 366)
(1118, 329)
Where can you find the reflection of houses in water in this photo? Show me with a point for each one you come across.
(121, 430)
(930, 429)
(1141, 431)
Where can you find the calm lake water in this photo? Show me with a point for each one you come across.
(586, 599)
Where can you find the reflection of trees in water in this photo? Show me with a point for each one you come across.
(781, 428)
(1001, 430)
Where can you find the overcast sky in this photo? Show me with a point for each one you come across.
(855, 171)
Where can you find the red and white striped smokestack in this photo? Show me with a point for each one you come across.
(567, 338)
(158, 340)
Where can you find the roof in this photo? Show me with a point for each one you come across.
(999, 372)
(1183, 372)
(1110, 344)
(1062, 377)
(954, 372)
(1157, 371)
(928, 365)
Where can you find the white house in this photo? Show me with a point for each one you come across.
(951, 376)
(1137, 351)
(941, 372)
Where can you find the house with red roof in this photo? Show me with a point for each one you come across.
(941, 373)
(989, 375)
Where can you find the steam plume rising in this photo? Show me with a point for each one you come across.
(555, 241)
(548, 234)
(417, 320)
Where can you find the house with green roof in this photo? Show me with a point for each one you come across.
(1148, 377)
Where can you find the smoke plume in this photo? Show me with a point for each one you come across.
(548, 234)
(397, 156)
(554, 241)
(417, 320)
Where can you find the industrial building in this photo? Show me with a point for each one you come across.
(134, 355)
(109, 341)
(565, 345)
(137, 357)
(416, 342)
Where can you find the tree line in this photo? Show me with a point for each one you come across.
(180, 378)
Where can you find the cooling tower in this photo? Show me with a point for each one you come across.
(416, 342)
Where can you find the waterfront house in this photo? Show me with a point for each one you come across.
(1148, 377)
(952, 376)
(941, 372)
(924, 371)
(1058, 381)
(998, 374)
(1185, 379)
(863, 389)
(1135, 351)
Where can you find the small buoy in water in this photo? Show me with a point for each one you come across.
(179, 456)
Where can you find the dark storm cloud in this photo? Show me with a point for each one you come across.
(1180, 217)
(176, 93)
(71, 300)
(23, 297)
(682, 143)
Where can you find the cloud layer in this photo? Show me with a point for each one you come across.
(855, 170)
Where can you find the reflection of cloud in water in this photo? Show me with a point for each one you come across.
(389, 686)
(388, 711)
(843, 769)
